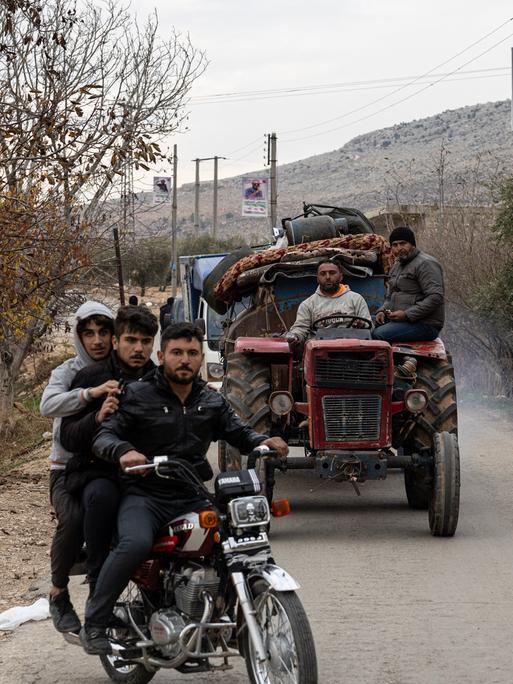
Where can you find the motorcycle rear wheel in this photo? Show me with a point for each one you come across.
(287, 638)
(130, 673)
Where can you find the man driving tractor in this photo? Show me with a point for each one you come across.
(332, 296)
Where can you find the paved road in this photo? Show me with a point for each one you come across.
(388, 603)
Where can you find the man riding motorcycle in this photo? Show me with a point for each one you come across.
(171, 412)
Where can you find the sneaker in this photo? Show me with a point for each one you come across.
(63, 614)
(94, 640)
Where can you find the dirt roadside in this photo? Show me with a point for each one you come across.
(26, 528)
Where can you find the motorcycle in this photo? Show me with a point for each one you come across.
(210, 591)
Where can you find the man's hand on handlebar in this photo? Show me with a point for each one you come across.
(277, 444)
(133, 458)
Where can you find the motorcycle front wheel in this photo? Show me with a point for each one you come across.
(286, 636)
(131, 673)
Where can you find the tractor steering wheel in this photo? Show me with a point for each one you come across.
(340, 320)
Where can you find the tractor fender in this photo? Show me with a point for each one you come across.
(433, 350)
(262, 345)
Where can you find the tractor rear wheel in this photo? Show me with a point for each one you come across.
(444, 504)
(440, 415)
(247, 389)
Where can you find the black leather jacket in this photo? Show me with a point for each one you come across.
(153, 421)
(77, 430)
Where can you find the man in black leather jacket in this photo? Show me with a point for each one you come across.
(171, 412)
(92, 480)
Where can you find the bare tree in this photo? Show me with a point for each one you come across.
(83, 92)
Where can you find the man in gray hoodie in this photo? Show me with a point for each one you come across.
(331, 297)
(93, 327)
(414, 302)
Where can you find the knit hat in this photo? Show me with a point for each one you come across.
(402, 233)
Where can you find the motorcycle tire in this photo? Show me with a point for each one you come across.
(287, 638)
(127, 674)
(131, 673)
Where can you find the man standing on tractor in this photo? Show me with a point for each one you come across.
(331, 297)
(414, 302)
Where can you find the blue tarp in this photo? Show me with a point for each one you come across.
(202, 267)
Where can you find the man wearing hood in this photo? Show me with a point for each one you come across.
(331, 297)
(88, 478)
(93, 326)
(414, 303)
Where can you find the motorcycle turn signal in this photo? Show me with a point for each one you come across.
(208, 520)
(280, 508)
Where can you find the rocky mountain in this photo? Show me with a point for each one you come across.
(455, 154)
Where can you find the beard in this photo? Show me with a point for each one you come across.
(172, 376)
(329, 288)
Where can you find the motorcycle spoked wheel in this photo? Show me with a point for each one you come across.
(287, 638)
(130, 673)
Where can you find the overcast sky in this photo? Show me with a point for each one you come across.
(350, 64)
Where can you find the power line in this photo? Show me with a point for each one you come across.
(393, 104)
(350, 86)
(412, 82)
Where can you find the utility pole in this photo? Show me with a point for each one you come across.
(197, 191)
(120, 267)
(271, 147)
(196, 195)
(174, 257)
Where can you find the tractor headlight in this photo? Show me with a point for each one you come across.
(249, 511)
(415, 400)
(215, 371)
(281, 403)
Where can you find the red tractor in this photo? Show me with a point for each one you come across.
(357, 406)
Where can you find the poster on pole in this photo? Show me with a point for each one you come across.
(254, 196)
(161, 190)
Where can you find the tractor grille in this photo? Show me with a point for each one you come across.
(351, 418)
(351, 370)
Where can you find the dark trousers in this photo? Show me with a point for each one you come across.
(404, 331)
(139, 520)
(68, 537)
(100, 502)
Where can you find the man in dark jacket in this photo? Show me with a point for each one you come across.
(165, 314)
(92, 479)
(414, 304)
(171, 412)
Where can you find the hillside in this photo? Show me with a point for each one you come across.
(398, 164)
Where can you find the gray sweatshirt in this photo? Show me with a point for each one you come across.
(317, 305)
(58, 400)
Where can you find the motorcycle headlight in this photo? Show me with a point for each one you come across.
(215, 371)
(249, 511)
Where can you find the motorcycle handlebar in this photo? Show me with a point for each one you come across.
(259, 452)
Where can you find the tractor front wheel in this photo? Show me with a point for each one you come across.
(418, 488)
(444, 504)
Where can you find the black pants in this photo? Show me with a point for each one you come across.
(139, 520)
(68, 537)
(100, 502)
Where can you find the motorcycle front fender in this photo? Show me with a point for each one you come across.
(277, 578)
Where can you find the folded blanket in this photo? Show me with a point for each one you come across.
(227, 288)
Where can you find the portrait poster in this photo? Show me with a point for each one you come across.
(254, 196)
(161, 190)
